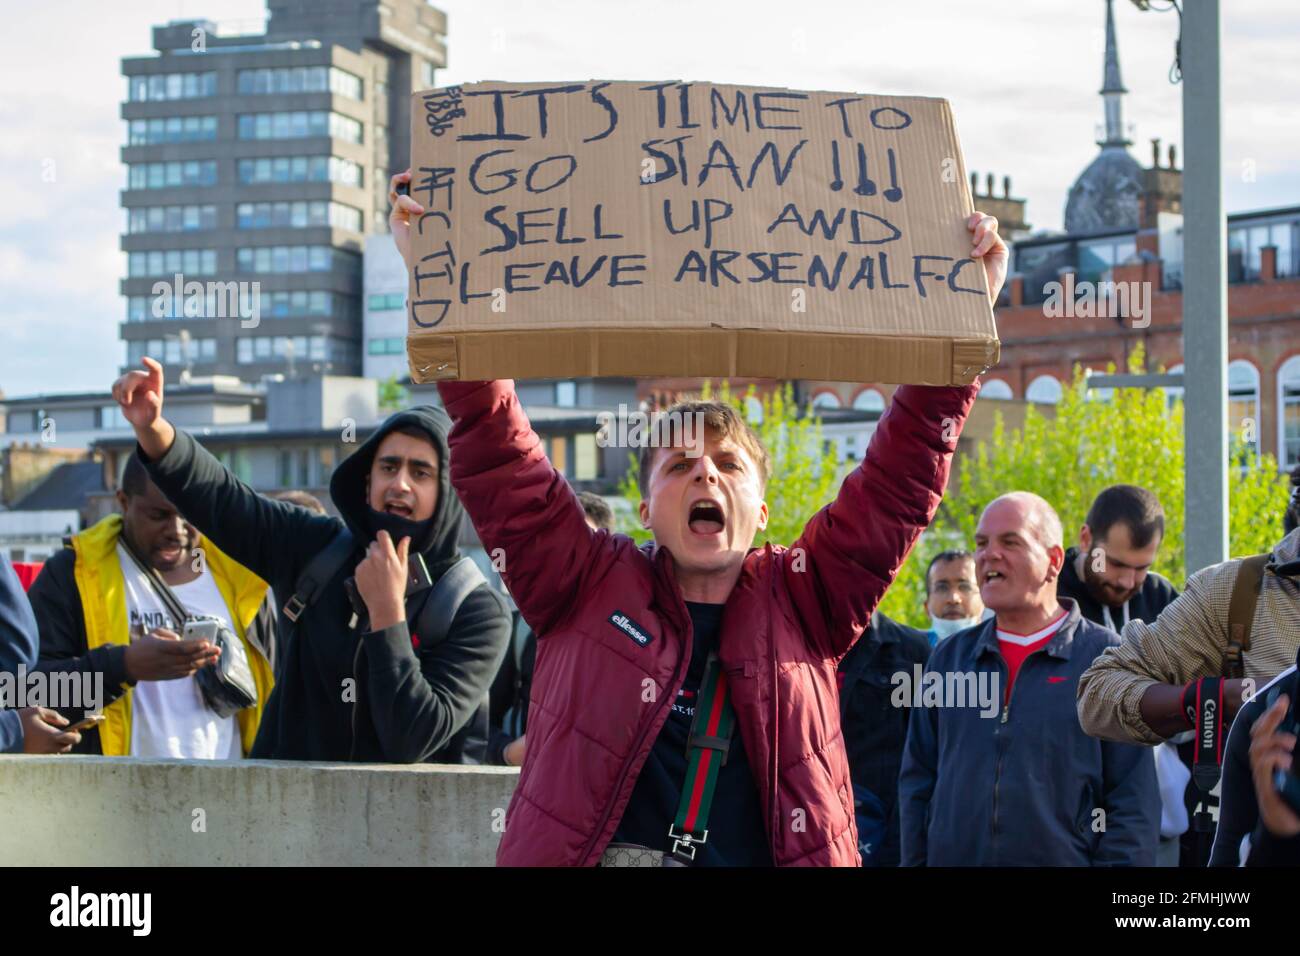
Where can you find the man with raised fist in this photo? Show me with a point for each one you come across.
(395, 634)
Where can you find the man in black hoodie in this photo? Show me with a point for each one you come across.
(1109, 575)
(358, 684)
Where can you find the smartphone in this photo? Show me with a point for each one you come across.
(417, 574)
(94, 720)
(201, 629)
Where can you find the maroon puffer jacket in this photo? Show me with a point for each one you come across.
(600, 697)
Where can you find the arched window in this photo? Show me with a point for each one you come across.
(1046, 389)
(1288, 403)
(826, 400)
(869, 400)
(753, 410)
(1243, 405)
(996, 389)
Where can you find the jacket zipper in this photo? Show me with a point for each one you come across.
(678, 679)
(1006, 712)
(997, 736)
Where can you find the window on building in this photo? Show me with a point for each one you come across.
(1046, 390)
(1098, 256)
(566, 394)
(1288, 389)
(996, 389)
(388, 302)
(172, 86)
(586, 458)
(1243, 408)
(171, 218)
(171, 129)
(560, 454)
(869, 400)
(826, 400)
(169, 175)
(299, 124)
(1246, 243)
(299, 169)
(753, 410)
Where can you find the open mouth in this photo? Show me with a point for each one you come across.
(706, 517)
(400, 510)
(993, 576)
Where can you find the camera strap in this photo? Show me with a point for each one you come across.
(1208, 761)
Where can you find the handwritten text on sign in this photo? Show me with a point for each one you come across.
(684, 204)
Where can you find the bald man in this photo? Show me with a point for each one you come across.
(997, 771)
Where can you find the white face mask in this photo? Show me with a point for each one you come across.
(943, 627)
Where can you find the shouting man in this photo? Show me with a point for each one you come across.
(684, 705)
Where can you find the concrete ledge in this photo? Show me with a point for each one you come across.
(122, 811)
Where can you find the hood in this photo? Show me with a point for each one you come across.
(348, 487)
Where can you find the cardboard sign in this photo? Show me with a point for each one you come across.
(666, 228)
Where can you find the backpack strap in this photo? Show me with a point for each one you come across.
(433, 622)
(318, 573)
(1241, 612)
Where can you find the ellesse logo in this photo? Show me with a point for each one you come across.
(629, 627)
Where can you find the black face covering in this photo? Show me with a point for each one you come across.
(399, 528)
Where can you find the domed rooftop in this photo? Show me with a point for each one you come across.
(1107, 195)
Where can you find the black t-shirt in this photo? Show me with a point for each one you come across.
(737, 836)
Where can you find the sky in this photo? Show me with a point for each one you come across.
(1022, 79)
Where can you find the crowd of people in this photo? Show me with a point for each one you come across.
(695, 701)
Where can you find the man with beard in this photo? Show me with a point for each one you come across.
(99, 612)
(1109, 574)
(359, 682)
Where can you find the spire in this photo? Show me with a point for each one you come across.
(1112, 87)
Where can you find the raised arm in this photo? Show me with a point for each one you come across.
(851, 550)
(273, 539)
(528, 518)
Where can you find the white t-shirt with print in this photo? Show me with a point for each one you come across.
(168, 717)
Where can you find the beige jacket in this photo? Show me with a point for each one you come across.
(1188, 641)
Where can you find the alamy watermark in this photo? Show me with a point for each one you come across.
(1087, 300)
(61, 690)
(208, 300)
(637, 429)
(951, 689)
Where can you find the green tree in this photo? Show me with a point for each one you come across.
(392, 394)
(1132, 437)
(804, 469)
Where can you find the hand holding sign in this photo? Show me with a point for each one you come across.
(599, 228)
(399, 219)
(990, 247)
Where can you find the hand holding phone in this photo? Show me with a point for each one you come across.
(162, 655)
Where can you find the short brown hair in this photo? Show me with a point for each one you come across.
(723, 420)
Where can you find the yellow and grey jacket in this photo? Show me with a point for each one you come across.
(1188, 641)
(80, 603)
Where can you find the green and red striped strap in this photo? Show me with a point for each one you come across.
(711, 730)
